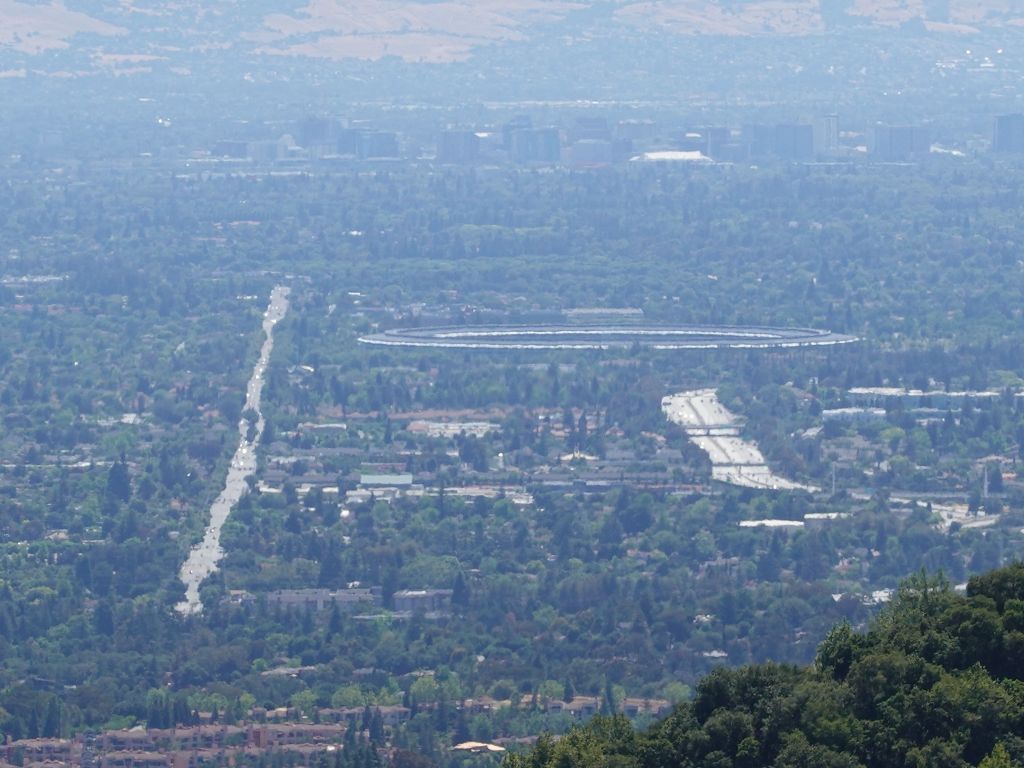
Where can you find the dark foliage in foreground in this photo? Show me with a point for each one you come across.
(935, 682)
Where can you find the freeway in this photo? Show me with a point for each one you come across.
(204, 556)
(716, 430)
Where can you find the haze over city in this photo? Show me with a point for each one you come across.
(522, 382)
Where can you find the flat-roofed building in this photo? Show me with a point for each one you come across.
(1008, 134)
(318, 599)
(422, 600)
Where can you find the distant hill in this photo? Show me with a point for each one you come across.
(131, 35)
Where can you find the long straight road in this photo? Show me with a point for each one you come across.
(202, 560)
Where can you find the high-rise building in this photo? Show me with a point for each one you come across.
(899, 142)
(592, 152)
(789, 141)
(348, 141)
(317, 131)
(365, 143)
(718, 138)
(271, 151)
(378, 144)
(458, 146)
(517, 123)
(759, 140)
(710, 141)
(794, 142)
(636, 130)
(535, 145)
(590, 129)
(826, 135)
(549, 145)
(1008, 133)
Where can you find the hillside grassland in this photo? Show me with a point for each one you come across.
(429, 32)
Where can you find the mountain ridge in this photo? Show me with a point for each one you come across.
(123, 37)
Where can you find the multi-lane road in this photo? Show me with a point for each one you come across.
(716, 430)
(204, 556)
